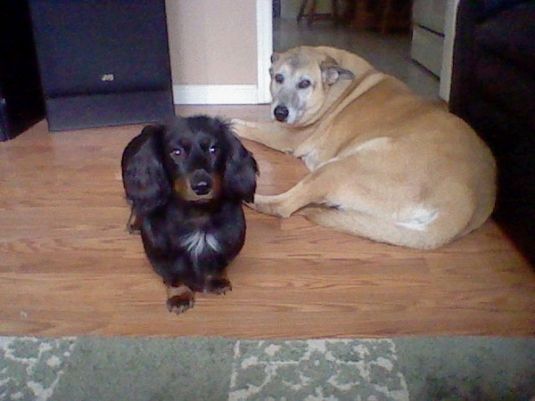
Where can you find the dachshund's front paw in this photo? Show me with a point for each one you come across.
(133, 229)
(179, 304)
(218, 286)
(133, 226)
(179, 299)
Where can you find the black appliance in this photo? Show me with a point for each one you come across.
(21, 100)
(103, 62)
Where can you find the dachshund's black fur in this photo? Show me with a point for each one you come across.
(186, 181)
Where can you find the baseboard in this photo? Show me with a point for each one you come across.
(215, 94)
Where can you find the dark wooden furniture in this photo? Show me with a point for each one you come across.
(493, 87)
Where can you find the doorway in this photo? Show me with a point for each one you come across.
(339, 24)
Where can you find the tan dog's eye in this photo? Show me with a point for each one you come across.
(279, 78)
(305, 83)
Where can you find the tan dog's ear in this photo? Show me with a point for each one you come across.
(274, 58)
(331, 72)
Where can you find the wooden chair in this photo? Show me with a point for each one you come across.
(394, 15)
(312, 15)
(383, 15)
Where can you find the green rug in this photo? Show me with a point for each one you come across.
(196, 369)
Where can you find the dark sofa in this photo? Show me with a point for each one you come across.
(493, 89)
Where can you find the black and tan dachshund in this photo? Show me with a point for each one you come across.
(186, 181)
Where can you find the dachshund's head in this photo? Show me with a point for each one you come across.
(196, 159)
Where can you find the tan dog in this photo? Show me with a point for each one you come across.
(384, 163)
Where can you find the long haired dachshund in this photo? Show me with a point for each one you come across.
(186, 181)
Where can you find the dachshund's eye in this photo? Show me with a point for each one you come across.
(176, 152)
(305, 83)
(212, 149)
(279, 78)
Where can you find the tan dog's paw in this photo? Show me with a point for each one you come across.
(239, 126)
(268, 205)
(237, 122)
(242, 128)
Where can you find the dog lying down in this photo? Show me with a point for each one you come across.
(186, 181)
(384, 164)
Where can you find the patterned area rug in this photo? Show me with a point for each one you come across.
(196, 369)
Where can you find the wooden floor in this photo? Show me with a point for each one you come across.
(68, 267)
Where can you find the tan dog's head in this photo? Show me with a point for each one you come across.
(300, 81)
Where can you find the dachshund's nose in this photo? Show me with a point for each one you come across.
(201, 188)
(201, 183)
(281, 113)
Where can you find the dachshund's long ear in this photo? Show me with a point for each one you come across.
(144, 178)
(239, 179)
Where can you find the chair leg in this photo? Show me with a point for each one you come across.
(363, 18)
(386, 14)
(312, 12)
(311, 15)
(302, 10)
(335, 10)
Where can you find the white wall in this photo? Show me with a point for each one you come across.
(219, 50)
